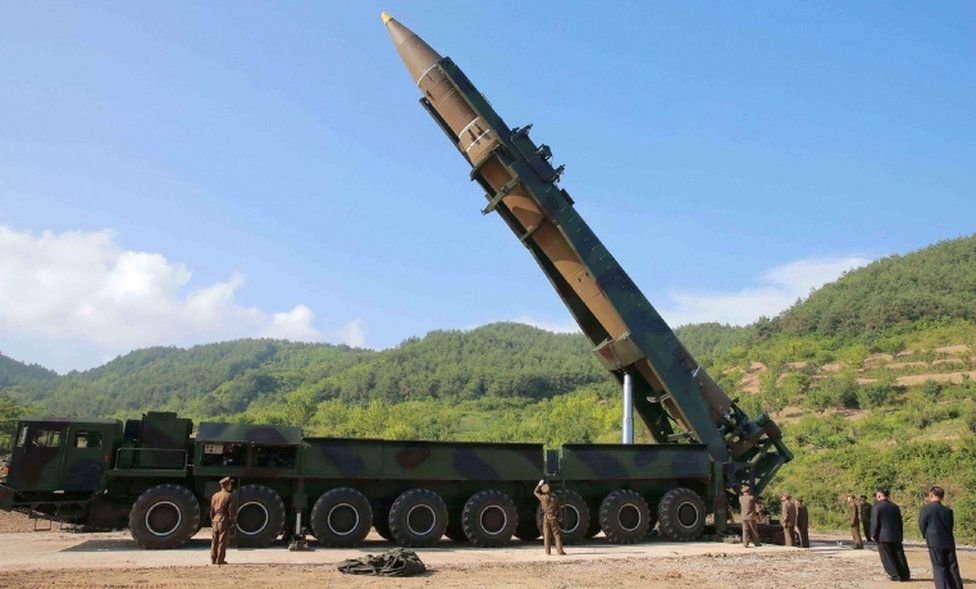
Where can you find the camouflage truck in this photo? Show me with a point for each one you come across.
(155, 477)
(153, 474)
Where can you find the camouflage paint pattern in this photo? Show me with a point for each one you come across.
(396, 460)
(38, 463)
(250, 434)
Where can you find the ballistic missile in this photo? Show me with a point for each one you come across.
(629, 336)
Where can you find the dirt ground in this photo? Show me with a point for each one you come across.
(63, 559)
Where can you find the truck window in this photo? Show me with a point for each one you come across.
(46, 438)
(88, 440)
(224, 454)
(275, 456)
(22, 437)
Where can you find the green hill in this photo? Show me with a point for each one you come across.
(498, 361)
(934, 283)
(14, 373)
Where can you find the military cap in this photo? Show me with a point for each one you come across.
(225, 481)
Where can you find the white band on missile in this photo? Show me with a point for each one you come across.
(466, 127)
(477, 140)
(426, 71)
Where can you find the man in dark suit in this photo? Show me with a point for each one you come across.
(887, 531)
(936, 522)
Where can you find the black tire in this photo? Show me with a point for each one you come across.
(341, 518)
(418, 518)
(681, 514)
(164, 516)
(260, 517)
(489, 518)
(574, 516)
(624, 517)
(527, 528)
(381, 523)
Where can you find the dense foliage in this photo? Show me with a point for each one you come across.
(498, 361)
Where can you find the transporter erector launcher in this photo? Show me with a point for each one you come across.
(673, 395)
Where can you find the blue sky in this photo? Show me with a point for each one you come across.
(187, 172)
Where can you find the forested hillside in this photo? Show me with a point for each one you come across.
(872, 379)
(497, 361)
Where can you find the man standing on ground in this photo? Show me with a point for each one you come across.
(221, 521)
(854, 520)
(762, 514)
(747, 507)
(936, 522)
(886, 529)
(803, 523)
(788, 513)
(864, 510)
(550, 517)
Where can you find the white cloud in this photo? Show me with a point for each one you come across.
(779, 288)
(567, 326)
(352, 334)
(71, 300)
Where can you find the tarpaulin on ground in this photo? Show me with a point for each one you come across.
(397, 562)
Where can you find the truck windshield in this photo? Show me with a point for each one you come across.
(46, 438)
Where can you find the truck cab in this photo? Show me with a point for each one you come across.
(58, 459)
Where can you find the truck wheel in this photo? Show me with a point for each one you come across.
(574, 516)
(624, 517)
(489, 518)
(260, 516)
(527, 528)
(381, 523)
(165, 516)
(681, 514)
(418, 517)
(341, 517)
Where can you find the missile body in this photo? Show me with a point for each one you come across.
(627, 332)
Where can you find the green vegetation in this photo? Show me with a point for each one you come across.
(937, 282)
(868, 393)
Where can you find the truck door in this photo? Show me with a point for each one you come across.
(35, 464)
(86, 455)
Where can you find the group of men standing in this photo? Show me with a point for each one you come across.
(795, 519)
(881, 522)
(936, 523)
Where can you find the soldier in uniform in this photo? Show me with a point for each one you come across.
(762, 512)
(747, 507)
(803, 523)
(221, 521)
(865, 512)
(854, 519)
(550, 517)
(788, 513)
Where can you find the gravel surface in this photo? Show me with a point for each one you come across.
(80, 561)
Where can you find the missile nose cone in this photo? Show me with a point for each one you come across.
(415, 53)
